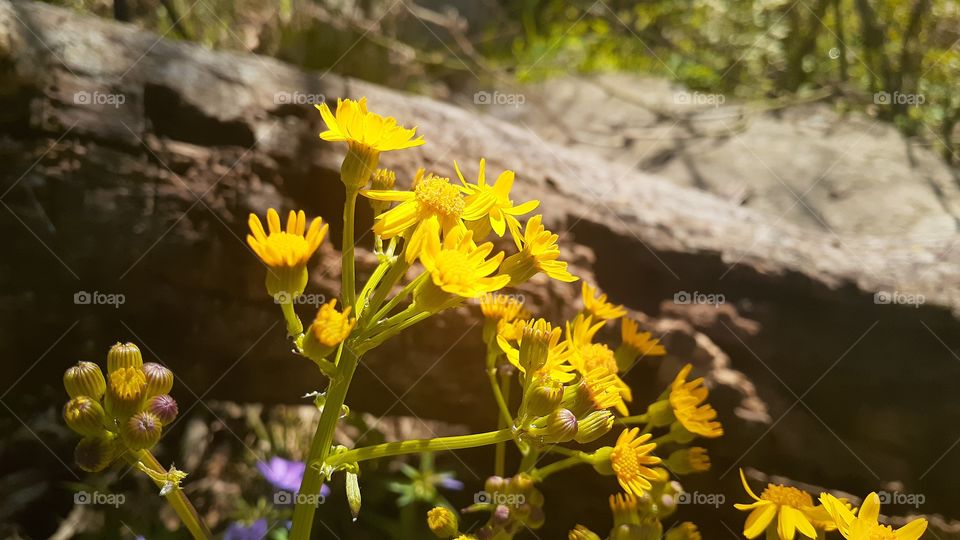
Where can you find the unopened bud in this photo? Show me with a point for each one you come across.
(141, 431)
(159, 379)
(85, 416)
(684, 531)
(442, 522)
(689, 460)
(164, 408)
(535, 344)
(593, 426)
(124, 355)
(85, 379)
(94, 454)
(124, 392)
(383, 179)
(559, 426)
(353, 494)
(543, 396)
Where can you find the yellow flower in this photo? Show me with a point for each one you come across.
(286, 252)
(510, 331)
(366, 134)
(538, 253)
(783, 508)
(598, 306)
(581, 330)
(539, 347)
(864, 525)
(494, 202)
(457, 267)
(605, 390)
(328, 330)
(127, 383)
(684, 531)
(642, 342)
(580, 532)
(686, 399)
(689, 460)
(501, 307)
(630, 460)
(432, 199)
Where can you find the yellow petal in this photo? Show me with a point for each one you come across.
(759, 520)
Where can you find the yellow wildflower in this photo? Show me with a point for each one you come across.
(493, 202)
(684, 531)
(687, 400)
(581, 330)
(432, 199)
(366, 134)
(784, 509)
(286, 252)
(631, 458)
(538, 253)
(127, 383)
(642, 342)
(328, 330)
(689, 460)
(597, 305)
(501, 307)
(864, 525)
(539, 347)
(604, 391)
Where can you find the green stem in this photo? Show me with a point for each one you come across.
(177, 499)
(294, 326)
(502, 395)
(348, 275)
(630, 420)
(557, 466)
(304, 512)
(392, 326)
(416, 446)
(400, 297)
(529, 460)
(501, 399)
(370, 285)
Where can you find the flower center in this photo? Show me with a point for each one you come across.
(453, 266)
(283, 243)
(625, 462)
(127, 382)
(881, 532)
(439, 196)
(786, 496)
(598, 355)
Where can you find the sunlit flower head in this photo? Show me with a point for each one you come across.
(431, 199)
(540, 350)
(502, 307)
(605, 390)
(864, 525)
(539, 252)
(687, 400)
(457, 267)
(643, 343)
(781, 509)
(329, 328)
(491, 203)
(510, 331)
(289, 248)
(581, 330)
(596, 304)
(354, 124)
(631, 460)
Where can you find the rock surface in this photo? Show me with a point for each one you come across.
(823, 368)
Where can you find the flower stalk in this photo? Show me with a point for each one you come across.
(418, 446)
(176, 498)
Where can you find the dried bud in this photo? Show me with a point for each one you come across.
(442, 522)
(593, 426)
(94, 454)
(141, 431)
(543, 396)
(123, 355)
(159, 379)
(85, 379)
(163, 407)
(85, 416)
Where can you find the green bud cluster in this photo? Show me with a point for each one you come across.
(122, 412)
(514, 504)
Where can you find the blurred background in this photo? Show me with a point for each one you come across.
(771, 187)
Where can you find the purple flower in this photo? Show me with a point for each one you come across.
(447, 482)
(255, 531)
(283, 474)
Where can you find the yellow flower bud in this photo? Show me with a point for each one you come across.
(542, 397)
(558, 427)
(141, 431)
(85, 416)
(125, 391)
(535, 344)
(159, 380)
(689, 460)
(94, 454)
(582, 533)
(442, 522)
(593, 426)
(329, 329)
(684, 531)
(123, 355)
(85, 379)
(353, 494)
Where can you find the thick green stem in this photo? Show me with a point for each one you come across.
(416, 446)
(320, 447)
(543, 472)
(348, 276)
(177, 499)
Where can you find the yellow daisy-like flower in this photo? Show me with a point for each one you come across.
(538, 253)
(782, 508)
(631, 458)
(864, 525)
(510, 331)
(642, 342)
(597, 305)
(432, 199)
(457, 267)
(539, 344)
(605, 390)
(581, 330)
(328, 330)
(501, 307)
(127, 382)
(366, 134)
(687, 400)
(494, 202)
(286, 252)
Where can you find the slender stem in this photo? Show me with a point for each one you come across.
(177, 499)
(529, 460)
(294, 326)
(304, 512)
(391, 327)
(348, 275)
(557, 466)
(637, 419)
(502, 394)
(370, 285)
(400, 297)
(415, 446)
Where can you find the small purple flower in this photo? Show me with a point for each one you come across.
(447, 482)
(255, 531)
(283, 474)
